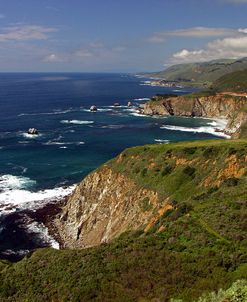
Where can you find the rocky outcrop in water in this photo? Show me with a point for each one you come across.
(32, 131)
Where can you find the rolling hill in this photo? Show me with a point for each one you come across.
(200, 73)
(233, 82)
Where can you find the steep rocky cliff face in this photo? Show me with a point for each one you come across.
(142, 185)
(104, 205)
(217, 106)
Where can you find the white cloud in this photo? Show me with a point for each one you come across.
(243, 30)
(54, 58)
(25, 33)
(184, 54)
(194, 32)
(232, 47)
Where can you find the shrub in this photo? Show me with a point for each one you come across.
(231, 182)
(190, 171)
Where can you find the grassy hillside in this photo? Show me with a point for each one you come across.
(201, 73)
(235, 81)
(200, 245)
(243, 133)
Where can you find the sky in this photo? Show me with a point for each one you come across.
(118, 35)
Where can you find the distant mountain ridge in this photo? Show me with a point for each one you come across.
(201, 73)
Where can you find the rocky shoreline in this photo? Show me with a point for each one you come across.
(230, 108)
(27, 230)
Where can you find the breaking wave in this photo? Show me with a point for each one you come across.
(162, 141)
(16, 192)
(77, 122)
(30, 136)
(206, 129)
(48, 113)
(142, 99)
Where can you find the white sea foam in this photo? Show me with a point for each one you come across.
(55, 143)
(204, 129)
(51, 143)
(77, 122)
(130, 110)
(138, 114)
(118, 107)
(179, 90)
(14, 252)
(23, 142)
(142, 99)
(42, 232)
(23, 199)
(31, 136)
(16, 195)
(63, 144)
(162, 141)
(98, 110)
(112, 126)
(11, 182)
(49, 113)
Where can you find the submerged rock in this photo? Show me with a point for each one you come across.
(116, 104)
(129, 104)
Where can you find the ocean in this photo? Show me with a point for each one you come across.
(36, 171)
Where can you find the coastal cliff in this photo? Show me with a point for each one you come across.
(174, 217)
(104, 205)
(232, 108)
(133, 191)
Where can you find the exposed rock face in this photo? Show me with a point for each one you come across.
(104, 205)
(32, 131)
(93, 108)
(217, 106)
(138, 188)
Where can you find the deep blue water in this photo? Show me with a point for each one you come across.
(72, 140)
(44, 100)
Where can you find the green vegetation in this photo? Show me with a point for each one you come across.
(243, 130)
(196, 248)
(235, 81)
(203, 93)
(200, 74)
(165, 96)
(237, 292)
(161, 97)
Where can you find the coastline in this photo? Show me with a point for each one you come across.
(28, 230)
(227, 113)
(46, 215)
